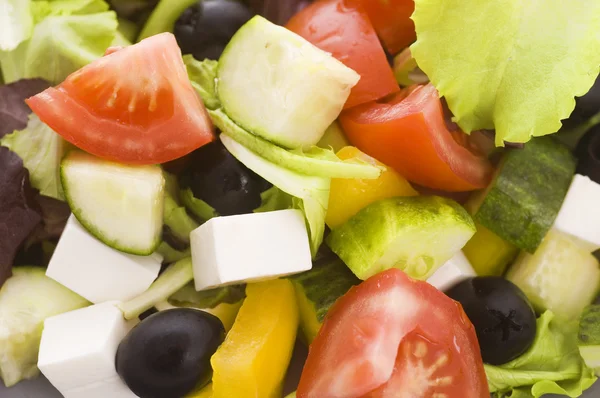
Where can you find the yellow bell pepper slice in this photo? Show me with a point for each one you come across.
(348, 196)
(253, 360)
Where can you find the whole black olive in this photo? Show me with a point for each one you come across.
(503, 318)
(588, 152)
(168, 354)
(218, 178)
(205, 28)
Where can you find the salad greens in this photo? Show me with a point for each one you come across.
(551, 366)
(311, 194)
(187, 296)
(19, 212)
(16, 23)
(66, 36)
(275, 199)
(41, 150)
(14, 112)
(164, 16)
(510, 65)
(203, 78)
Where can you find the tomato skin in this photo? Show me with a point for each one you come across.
(391, 20)
(355, 353)
(343, 29)
(134, 105)
(407, 131)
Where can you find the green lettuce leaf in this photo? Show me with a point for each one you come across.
(176, 218)
(67, 36)
(164, 16)
(41, 150)
(311, 194)
(551, 366)
(187, 296)
(203, 78)
(199, 208)
(16, 23)
(511, 65)
(274, 199)
(171, 255)
(312, 161)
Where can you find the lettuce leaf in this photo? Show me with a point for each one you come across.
(164, 16)
(16, 23)
(312, 161)
(203, 76)
(41, 150)
(510, 65)
(275, 199)
(311, 194)
(19, 213)
(551, 366)
(67, 36)
(14, 112)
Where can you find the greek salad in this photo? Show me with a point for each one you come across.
(191, 189)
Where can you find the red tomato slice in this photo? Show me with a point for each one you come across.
(390, 337)
(344, 30)
(134, 105)
(407, 131)
(391, 20)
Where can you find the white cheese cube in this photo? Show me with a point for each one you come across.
(97, 272)
(579, 215)
(249, 247)
(78, 349)
(455, 270)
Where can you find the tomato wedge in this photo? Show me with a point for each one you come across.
(391, 20)
(392, 336)
(343, 29)
(407, 131)
(134, 105)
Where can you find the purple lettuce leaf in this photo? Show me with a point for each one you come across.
(14, 112)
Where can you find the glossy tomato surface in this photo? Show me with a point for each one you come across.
(342, 28)
(392, 336)
(135, 105)
(407, 131)
(391, 20)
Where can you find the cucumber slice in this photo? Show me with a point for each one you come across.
(415, 234)
(561, 276)
(522, 202)
(589, 337)
(277, 85)
(120, 205)
(318, 289)
(26, 300)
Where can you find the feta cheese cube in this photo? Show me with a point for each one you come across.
(579, 215)
(78, 349)
(249, 247)
(455, 270)
(97, 272)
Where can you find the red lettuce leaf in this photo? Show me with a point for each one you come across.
(14, 112)
(19, 211)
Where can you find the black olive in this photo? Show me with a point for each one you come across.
(168, 354)
(588, 152)
(503, 318)
(205, 28)
(218, 178)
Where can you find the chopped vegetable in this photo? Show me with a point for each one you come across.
(488, 253)
(523, 200)
(398, 233)
(393, 336)
(187, 296)
(120, 205)
(42, 151)
(348, 196)
(560, 276)
(16, 23)
(26, 300)
(551, 366)
(589, 337)
(521, 82)
(408, 132)
(290, 92)
(332, 25)
(129, 118)
(254, 358)
(164, 16)
(333, 138)
(19, 214)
